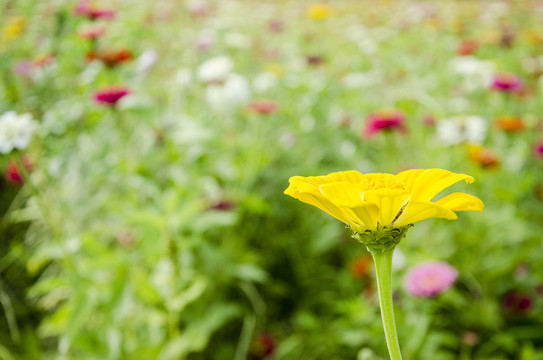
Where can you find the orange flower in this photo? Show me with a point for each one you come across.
(510, 123)
(361, 266)
(486, 158)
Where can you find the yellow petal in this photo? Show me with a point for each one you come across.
(321, 202)
(461, 202)
(368, 213)
(422, 210)
(343, 194)
(389, 202)
(431, 182)
(408, 177)
(351, 176)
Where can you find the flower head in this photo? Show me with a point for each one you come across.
(14, 27)
(91, 32)
(110, 95)
(265, 107)
(430, 279)
(486, 158)
(506, 82)
(384, 120)
(454, 130)
(510, 123)
(467, 47)
(111, 58)
(319, 11)
(15, 131)
(538, 149)
(384, 201)
(93, 12)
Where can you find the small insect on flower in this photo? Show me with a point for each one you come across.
(430, 279)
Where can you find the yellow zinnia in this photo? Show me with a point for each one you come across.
(384, 201)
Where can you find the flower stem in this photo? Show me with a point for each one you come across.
(383, 268)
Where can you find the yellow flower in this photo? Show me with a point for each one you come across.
(384, 201)
(15, 26)
(319, 11)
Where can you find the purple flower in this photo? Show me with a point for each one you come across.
(429, 279)
(506, 82)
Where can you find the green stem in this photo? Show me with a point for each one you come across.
(383, 267)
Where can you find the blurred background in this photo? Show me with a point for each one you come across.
(146, 145)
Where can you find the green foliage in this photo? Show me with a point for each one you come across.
(157, 228)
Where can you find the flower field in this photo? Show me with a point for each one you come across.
(146, 148)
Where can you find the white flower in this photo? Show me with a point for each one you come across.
(15, 131)
(215, 70)
(475, 73)
(264, 81)
(233, 91)
(452, 131)
(146, 60)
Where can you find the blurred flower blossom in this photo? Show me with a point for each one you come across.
(455, 130)
(13, 172)
(510, 123)
(384, 120)
(16, 131)
(486, 158)
(506, 82)
(467, 47)
(361, 266)
(319, 11)
(517, 302)
(88, 9)
(198, 7)
(13, 27)
(111, 58)
(146, 61)
(276, 26)
(265, 107)
(262, 347)
(507, 36)
(110, 95)
(538, 149)
(225, 95)
(205, 40)
(475, 73)
(215, 70)
(91, 32)
(429, 279)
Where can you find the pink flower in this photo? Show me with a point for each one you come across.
(506, 82)
(85, 8)
(429, 279)
(91, 32)
(384, 120)
(265, 107)
(110, 95)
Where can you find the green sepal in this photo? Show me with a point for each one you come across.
(381, 239)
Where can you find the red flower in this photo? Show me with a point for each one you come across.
(467, 47)
(262, 347)
(266, 107)
(85, 8)
(13, 173)
(111, 58)
(486, 158)
(384, 120)
(110, 95)
(361, 266)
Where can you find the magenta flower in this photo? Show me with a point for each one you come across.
(384, 120)
(429, 279)
(110, 95)
(538, 149)
(506, 82)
